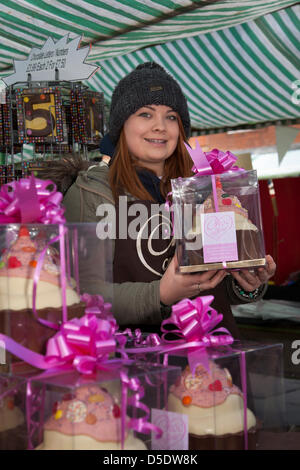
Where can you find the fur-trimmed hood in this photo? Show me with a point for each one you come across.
(64, 172)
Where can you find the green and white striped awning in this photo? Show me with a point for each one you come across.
(238, 75)
(236, 61)
(116, 27)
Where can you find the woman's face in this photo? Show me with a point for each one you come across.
(152, 134)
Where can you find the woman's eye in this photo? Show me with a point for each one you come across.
(145, 115)
(172, 117)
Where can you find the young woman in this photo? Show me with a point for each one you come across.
(149, 123)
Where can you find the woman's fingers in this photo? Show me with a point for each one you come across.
(190, 279)
(263, 275)
(206, 280)
(267, 271)
(271, 265)
(204, 284)
(251, 280)
(247, 280)
(211, 282)
(175, 286)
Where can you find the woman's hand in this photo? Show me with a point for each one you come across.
(175, 286)
(250, 280)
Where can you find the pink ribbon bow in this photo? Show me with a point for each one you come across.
(195, 321)
(31, 200)
(213, 162)
(95, 305)
(83, 342)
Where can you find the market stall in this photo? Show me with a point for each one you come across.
(80, 373)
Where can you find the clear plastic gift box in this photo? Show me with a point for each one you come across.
(217, 222)
(235, 400)
(107, 411)
(44, 270)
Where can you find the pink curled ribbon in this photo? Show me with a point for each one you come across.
(152, 339)
(31, 200)
(213, 162)
(195, 321)
(36, 277)
(95, 305)
(137, 424)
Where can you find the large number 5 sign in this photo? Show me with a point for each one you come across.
(39, 114)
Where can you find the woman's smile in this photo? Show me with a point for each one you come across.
(158, 142)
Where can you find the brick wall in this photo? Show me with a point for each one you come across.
(265, 137)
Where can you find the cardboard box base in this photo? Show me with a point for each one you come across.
(251, 263)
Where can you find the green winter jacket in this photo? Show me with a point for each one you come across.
(135, 303)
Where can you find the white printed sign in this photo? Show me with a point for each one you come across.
(219, 237)
(62, 58)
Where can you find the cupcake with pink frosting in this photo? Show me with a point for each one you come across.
(17, 269)
(214, 407)
(87, 419)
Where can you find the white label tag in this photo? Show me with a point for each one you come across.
(175, 430)
(219, 237)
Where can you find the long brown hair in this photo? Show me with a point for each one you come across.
(123, 176)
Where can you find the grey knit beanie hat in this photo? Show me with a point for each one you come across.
(148, 84)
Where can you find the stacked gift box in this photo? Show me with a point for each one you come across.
(232, 396)
(111, 410)
(58, 392)
(73, 380)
